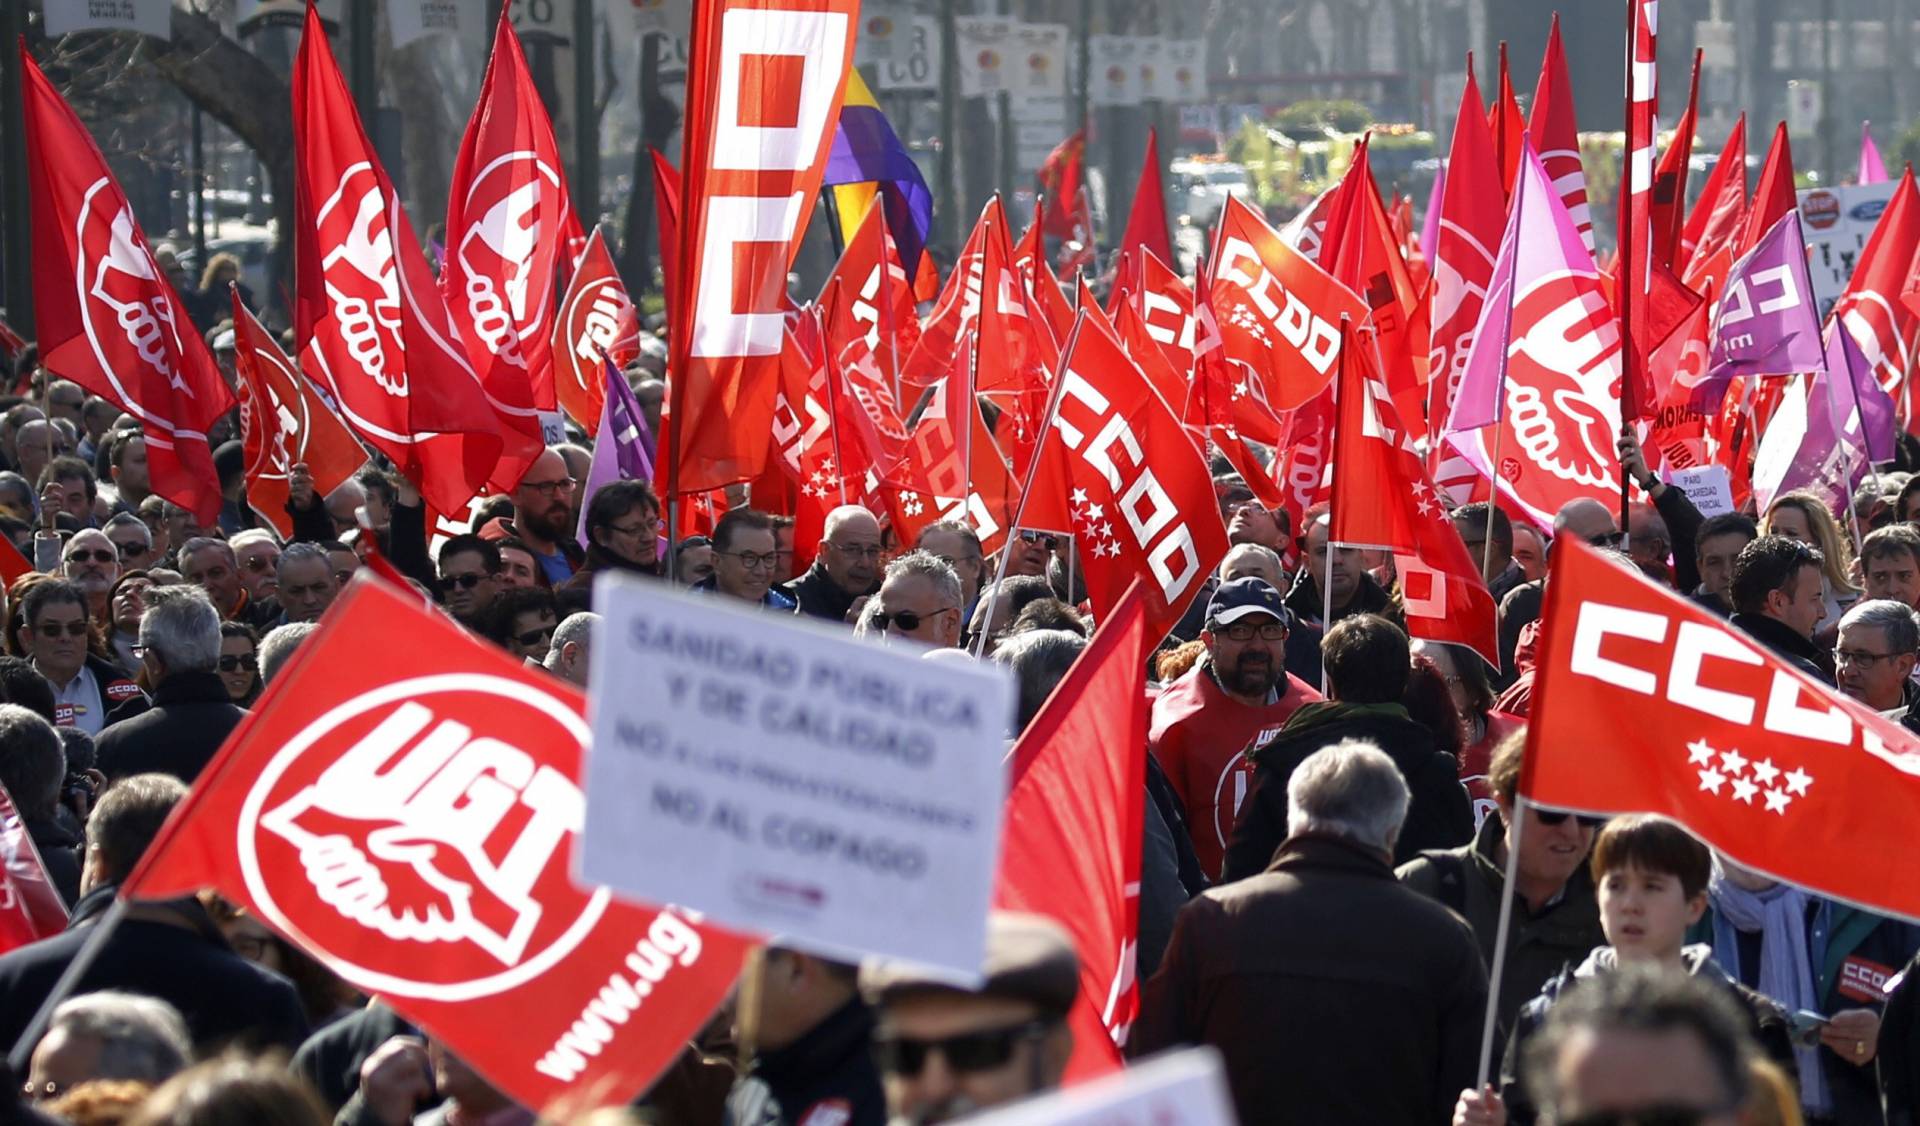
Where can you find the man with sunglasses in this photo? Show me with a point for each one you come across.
(1029, 551)
(920, 601)
(847, 566)
(744, 555)
(191, 712)
(945, 1051)
(133, 540)
(469, 578)
(55, 630)
(1556, 919)
(92, 563)
(1236, 698)
(258, 556)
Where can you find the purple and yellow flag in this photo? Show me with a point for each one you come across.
(868, 160)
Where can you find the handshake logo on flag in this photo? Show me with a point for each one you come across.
(128, 284)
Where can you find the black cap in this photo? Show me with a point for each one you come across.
(1244, 598)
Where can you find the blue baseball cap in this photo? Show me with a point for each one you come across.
(1243, 598)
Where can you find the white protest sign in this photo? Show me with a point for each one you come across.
(916, 64)
(1708, 487)
(984, 44)
(149, 17)
(1040, 61)
(1186, 1088)
(788, 780)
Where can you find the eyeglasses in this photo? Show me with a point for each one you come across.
(52, 630)
(259, 563)
(465, 582)
(1271, 631)
(907, 620)
(99, 555)
(548, 488)
(858, 551)
(1608, 539)
(1548, 817)
(534, 636)
(640, 528)
(751, 561)
(1854, 658)
(967, 1052)
(232, 662)
(1050, 542)
(132, 548)
(958, 561)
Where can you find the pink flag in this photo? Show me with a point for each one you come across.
(1873, 170)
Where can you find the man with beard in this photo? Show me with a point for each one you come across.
(543, 517)
(1235, 699)
(258, 557)
(848, 566)
(91, 562)
(1354, 590)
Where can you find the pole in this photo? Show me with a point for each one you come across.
(1486, 553)
(1500, 934)
(1008, 147)
(949, 187)
(1627, 274)
(198, 195)
(586, 120)
(16, 253)
(360, 55)
(1326, 576)
(22, 1053)
(1082, 97)
(1828, 122)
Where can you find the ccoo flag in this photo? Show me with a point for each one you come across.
(1765, 323)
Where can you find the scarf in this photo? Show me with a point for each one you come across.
(1779, 916)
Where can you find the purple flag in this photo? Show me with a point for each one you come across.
(1430, 228)
(1765, 323)
(1803, 447)
(619, 447)
(1852, 387)
(1873, 170)
(1540, 240)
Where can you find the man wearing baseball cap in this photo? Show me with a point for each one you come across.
(1234, 699)
(945, 1051)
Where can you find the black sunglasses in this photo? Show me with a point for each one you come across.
(1556, 818)
(1051, 543)
(534, 636)
(100, 555)
(54, 629)
(969, 1051)
(232, 662)
(465, 582)
(907, 620)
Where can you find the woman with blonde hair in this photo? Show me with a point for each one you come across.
(1802, 515)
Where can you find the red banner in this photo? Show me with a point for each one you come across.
(596, 320)
(30, 907)
(285, 423)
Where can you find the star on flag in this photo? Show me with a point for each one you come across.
(1750, 778)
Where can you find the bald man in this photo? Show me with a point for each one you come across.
(847, 566)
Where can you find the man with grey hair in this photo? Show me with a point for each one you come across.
(1328, 937)
(1253, 561)
(256, 553)
(306, 582)
(211, 565)
(1874, 655)
(276, 649)
(109, 1035)
(846, 568)
(569, 650)
(91, 562)
(32, 765)
(133, 540)
(920, 600)
(191, 713)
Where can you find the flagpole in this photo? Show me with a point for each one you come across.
(1333, 456)
(1026, 487)
(833, 406)
(1627, 274)
(1500, 934)
(22, 1053)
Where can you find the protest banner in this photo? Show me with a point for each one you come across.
(1708, 487)
(788, 779)
(1178, 1089)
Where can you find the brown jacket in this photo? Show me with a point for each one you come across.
(1335, 994)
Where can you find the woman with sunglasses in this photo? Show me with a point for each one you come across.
(240, 662)
(522, 622)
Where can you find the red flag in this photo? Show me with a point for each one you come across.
(1361, 253)
(666, 219)
(30, 907)
(1065, 213)
(1556, 133)
(12, 563)
(1774, 195)
(1871, 308)
(1303, 464)
(1132, 516)
(509, 223)
(763, 93)
(880, 299)
(107, 318)
(375, 334)
(1472, 221)
(1504, 120)
(1781, 774)
(1146, 223)
(1042, 287)
(1074, 810)
(403, 804)
(1166, 309)
(1670, 179)
(863, 405)
(968, 477)
(1721, 211)
(1383, 499)
(284, 423)
(597, 325)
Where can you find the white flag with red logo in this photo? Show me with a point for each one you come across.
(106, 316)
(1705, 725)
(403, 804)
(285, 424)
(374, 331)
(764, 88)
(1383, 498)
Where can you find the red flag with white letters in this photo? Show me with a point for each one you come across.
(509, 224)
(284, 423)
(1383, 498)
(107, 318)
(403, 804)
(1076, 784)
(596, 325)
(1705, 725)
(374, 332)
(1472, 219)
(1556, 133)
(764, 87)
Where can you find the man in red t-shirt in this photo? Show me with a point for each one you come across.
(1235, 699)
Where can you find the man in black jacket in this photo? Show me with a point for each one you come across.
(847, 567)
(191, 714)
(1354, 590)
(1368, 664)
(169, 949)
(32, 765)
(813, 1059)
(1778, 598)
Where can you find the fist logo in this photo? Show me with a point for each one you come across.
(505, 287)
(125, 301)
(416, 820)
(1562, 391)
(361, 278)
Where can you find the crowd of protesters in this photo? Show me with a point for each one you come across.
(1331, 810)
